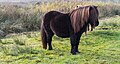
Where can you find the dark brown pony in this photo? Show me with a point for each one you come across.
(71, 25)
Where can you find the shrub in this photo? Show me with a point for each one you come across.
(28, 18)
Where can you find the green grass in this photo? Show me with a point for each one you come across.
(110, 22)
(98, 47)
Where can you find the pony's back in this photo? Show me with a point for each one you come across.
(50, 15)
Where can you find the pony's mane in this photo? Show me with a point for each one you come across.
(79, 17)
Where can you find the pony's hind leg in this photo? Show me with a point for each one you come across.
(49, 40)
(49, 35)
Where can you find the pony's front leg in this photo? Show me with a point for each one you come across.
(74, 39)
(73, 42)
(77, 41)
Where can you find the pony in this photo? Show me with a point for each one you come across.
(68, 25)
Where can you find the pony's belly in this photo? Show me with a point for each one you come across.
(61, 30)
(60, 25)
(63, 35)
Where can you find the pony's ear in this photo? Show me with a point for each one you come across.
(90, 8)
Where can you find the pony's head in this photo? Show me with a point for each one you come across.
(84, 15)
(93, 16)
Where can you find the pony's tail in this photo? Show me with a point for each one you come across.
(43, 38)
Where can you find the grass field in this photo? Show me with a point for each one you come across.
(98, 47)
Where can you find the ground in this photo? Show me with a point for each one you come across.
(98, 47)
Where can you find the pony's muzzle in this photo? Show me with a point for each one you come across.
(97, 23)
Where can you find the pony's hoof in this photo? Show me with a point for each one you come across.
(73, 53)
(50, 48)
